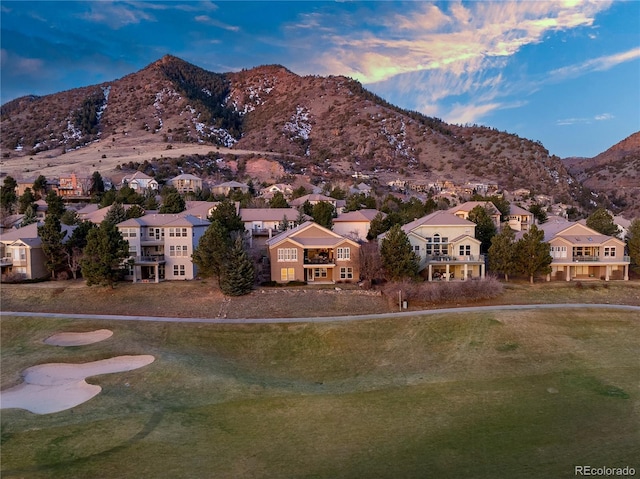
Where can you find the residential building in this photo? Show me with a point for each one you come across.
(264, 223)
(446, 246)
(315, 198)
(74, 187)
(21, 252)
(312, 253)
(271, 190)
(161, 246)
(355, 224)
(581, 253)
(463, 210)
(223, 189)
(186, 183)
(519, 218)
(139, 182)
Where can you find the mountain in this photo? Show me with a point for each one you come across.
(325, 127)
(614, 173)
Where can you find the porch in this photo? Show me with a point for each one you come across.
(148, 269)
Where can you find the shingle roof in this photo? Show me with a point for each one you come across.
(359, 215)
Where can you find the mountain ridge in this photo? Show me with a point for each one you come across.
(325, 127)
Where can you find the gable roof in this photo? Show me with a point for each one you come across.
(268, 214)
(438, 218)
(138, 175)
(29, 234)
(469, 205)
(186, 176)
(364, 215)
(325, 237)
(164, 219)
(516, 210)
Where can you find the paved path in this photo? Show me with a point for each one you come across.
(326, 319)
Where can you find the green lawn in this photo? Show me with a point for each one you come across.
(490, 395)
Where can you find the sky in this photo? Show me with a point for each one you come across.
(565, 73)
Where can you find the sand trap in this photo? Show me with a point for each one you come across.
(54, 387)
(78, 339)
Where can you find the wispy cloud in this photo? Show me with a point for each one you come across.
(207, 20)
(596, 64)
(118, 15)
(585, 120)
(19, 65)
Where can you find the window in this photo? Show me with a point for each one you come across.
(287, 254)
(178, 250)
(178, 270)
(320, 272)
(610, 251)
(346, 273)
(132, 250)
(344, 254)
(416, 249)
(184, 232)
(465, 250)
(172, 250)
(172, 232)
(287, 274)
(558, 251)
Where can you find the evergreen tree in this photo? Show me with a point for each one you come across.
(108, 198)
(51, 236)
(378, 226)
(485, 228)
(278, 201)
(502, 253)
(601, 221)
(69, 217)
(26, 199)
(538, 213)
(40, 187)
(398, 257)
(212, 251)
(323, 213)
(299, 192)
(633, 244)
(532, 253)
(55, 205)
(135, 211)
(97, 187)
(8, 195)
(173, 203)
(116, 214)
(238, 274)
(226, 214)
(74, 247)
(29, 217)
(104, 254)
(128, 196)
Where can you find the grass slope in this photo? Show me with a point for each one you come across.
(504, 394)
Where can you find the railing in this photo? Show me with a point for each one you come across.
(586, 259)
(6, 261)
(318, 260)
(153, 258)
(449, 258)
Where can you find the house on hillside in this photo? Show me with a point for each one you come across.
(519, 218)
(446, 246)
(271, 190)
(139, 182)
(314, 198)
(355, 224)
(580, 253)
(223, 189)
(161, 246)
(312, 253)
(186, 183)
(74, 187)
(21, 252)
(264, 223)
(463, 210)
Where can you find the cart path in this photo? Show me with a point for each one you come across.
(326, 319)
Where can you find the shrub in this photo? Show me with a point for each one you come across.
(443, 292)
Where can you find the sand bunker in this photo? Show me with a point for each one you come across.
(78, 339)
(54, 387)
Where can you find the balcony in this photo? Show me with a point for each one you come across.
(446, 258)
(150, 259)
(7, 261)
(151, 240)
(586, 259)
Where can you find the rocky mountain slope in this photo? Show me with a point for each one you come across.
(322, 126)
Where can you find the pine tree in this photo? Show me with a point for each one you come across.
(8, 195)
(533, 254)
(278, 201)
(116, 214)
(322, 213)
(398, 258)
(104, 254)
(29, 217)
(502, 253)
(485, 228)
(26, 199)
(602, 222)
(40, 187)
(173, 203)
(225, 213)
(51, 236)
(633, 244)
(55, 205)
(238, 273)
(212, 251)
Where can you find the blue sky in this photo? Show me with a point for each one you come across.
(566, 73)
